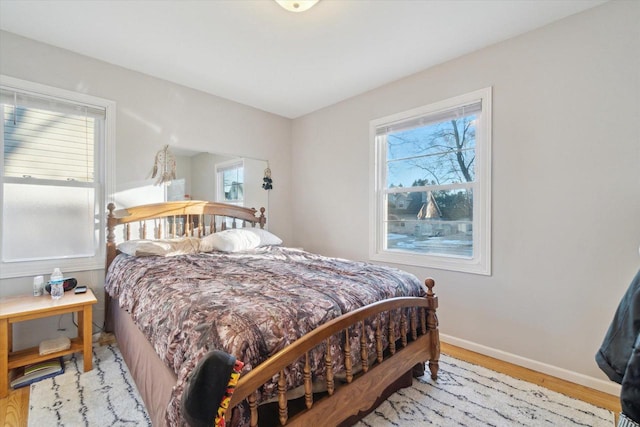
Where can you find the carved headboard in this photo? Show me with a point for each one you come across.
(177, 219)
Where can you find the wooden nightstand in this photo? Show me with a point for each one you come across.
(21, 308)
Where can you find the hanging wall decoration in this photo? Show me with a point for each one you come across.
(164, 166)
(268, 182)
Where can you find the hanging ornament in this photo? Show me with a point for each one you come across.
(267, 181)
(164, 166)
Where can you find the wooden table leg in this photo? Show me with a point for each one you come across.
(4, 357)
(10, 336)
(84, 332)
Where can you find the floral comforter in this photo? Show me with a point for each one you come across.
(249, 304)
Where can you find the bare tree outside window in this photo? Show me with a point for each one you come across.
(429, 157)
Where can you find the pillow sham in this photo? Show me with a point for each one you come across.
(266, 238)
(234, 240)
(168, 247)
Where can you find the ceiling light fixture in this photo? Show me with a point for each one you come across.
(297, 5)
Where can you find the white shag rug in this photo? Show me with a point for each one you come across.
(464, 395)
(473, 396)
(104, 396)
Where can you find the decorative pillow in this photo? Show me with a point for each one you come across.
(266, 238)
(234, 240)
(169, 247)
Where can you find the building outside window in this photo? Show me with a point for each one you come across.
(431, 185)
(53, 178)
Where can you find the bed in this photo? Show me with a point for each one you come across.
(320, 338)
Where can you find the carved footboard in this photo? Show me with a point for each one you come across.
(418, 342)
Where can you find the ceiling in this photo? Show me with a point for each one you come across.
(256, 53)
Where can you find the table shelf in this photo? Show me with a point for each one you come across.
(32, 355)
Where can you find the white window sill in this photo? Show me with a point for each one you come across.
(463, 265)
(45, 267)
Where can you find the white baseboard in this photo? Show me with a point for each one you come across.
(564, 374)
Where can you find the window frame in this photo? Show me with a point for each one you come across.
(480, 262)
(105, 173)
(220, 169)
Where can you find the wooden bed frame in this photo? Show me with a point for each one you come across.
(346, 401)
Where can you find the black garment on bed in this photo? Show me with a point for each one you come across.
(619, 355)
(206, 388)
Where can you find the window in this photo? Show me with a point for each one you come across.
(431, 185)
(53, 178)
(230, 179)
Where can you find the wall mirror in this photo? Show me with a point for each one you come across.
(219, 178)
(200, 176)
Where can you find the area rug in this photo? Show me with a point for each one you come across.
(104, 396)
(464, 395)
(470, 395)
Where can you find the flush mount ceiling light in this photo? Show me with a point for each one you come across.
(297, 5)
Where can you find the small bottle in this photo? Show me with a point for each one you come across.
(56, 282)
(37, 285)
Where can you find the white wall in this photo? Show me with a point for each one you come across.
(254, 194)
(566, 187)
(183, 183)
(203, 186)
(150, 114)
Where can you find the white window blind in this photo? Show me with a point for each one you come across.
(46, 138)
(435, 117)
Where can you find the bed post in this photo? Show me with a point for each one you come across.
(111, 254)
(432, 327)
(111, 236)
(262, 220)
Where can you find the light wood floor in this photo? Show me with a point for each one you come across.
(14, 409)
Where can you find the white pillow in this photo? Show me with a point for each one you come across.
(266, 238)
(234, 240)
(169, 247)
